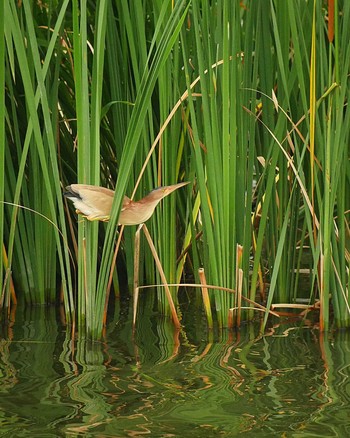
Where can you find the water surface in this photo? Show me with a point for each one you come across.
(292, 382)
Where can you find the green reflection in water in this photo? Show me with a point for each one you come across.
(291, 382)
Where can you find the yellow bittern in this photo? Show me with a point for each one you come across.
(95, 203)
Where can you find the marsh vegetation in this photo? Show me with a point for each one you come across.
(246, 100)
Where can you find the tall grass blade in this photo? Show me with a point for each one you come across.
(2, 148)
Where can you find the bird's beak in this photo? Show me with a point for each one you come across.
(170, 189)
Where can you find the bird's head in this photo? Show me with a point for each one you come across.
(162, 192)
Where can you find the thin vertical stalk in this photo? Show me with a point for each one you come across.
(2, 140)
(205, 296)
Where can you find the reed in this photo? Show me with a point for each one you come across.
(3, 266)
(166, 31)
(247, 100)
(289, 188)
(32, 174)
(220, 158)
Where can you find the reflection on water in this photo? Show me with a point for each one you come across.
(291, 382)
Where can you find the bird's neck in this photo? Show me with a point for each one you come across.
(151, 200)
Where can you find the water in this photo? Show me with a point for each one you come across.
(290, 383)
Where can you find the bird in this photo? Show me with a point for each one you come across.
(95, 203)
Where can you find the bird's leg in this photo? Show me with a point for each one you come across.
(94, 217)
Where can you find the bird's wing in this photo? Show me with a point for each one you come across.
(91, 200)
(86, 191)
